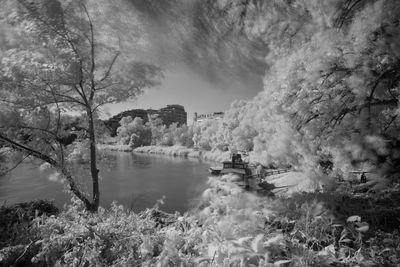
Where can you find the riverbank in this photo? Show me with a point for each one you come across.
(114, 147)
(182, 151)
(174, 151)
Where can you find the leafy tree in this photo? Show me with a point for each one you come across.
(182, 134)
(157, 129)
(205, 135)
(124, 131)
(342, 88)
(65, 60)
(331, 90)
(134, 132)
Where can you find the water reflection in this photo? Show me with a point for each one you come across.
(142, 162)
(134, 180)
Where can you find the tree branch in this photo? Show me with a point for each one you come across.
(31, 151)
(74, 188)
(15, 166)
(349, 8)
(389, 123)
(70, 98)
(107, 73)
(92, 54)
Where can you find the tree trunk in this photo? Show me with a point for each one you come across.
(93, 165)
(75, 190)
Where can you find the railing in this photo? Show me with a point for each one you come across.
(237, 165)
(268, 173)
(272, 172)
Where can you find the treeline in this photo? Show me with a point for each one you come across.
(134, 132)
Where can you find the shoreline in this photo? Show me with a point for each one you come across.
(121, 148)
(173, 151)
(182, 151)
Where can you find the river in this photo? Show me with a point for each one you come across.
(135, 180)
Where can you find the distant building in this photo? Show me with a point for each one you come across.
(208, 116)
(169, 115)
(152, 112)
(172, 114)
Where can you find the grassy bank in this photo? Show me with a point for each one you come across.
(182, 151)
(174, 151)
(115, 147)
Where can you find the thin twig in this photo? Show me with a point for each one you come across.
(26, 249)
(15, 166)
(212, 261)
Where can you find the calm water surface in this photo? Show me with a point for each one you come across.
(134, 180)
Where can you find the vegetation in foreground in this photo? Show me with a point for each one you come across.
(230, 227)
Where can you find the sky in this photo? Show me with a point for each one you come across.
(206, 66)
(191, 90)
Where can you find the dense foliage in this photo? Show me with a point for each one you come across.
(230, 227)
(331, 90)
(134, 133)
(16, 234)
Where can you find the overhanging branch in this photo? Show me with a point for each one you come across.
(37, 154)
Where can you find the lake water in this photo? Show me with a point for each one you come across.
(134, 180)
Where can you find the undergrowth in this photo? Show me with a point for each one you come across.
(229, 227)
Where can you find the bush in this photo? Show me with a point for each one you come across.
(17, 233)
(229, 227)
(16, 219)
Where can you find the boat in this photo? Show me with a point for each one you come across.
(229, 167)
(251, 179)
(235, 166)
